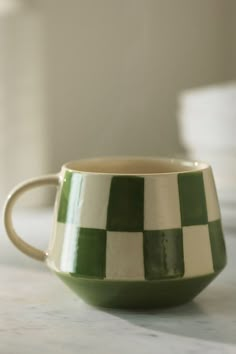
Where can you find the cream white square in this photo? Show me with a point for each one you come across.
(124, 255)
(161, 203)
(61, 251)
(93, 201)
(197, 251)
(213, 209)
(69, 254)
(55, 246)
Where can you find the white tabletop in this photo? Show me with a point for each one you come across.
(39, 314)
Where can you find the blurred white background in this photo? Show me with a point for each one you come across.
(81, 78)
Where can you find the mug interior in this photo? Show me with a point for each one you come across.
(134, 165)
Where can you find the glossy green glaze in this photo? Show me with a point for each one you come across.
(217, 245)
(163, 254)
(64, 198)
(192, 199)
(70, 198)
(126, 204)
(91, 245)
(136, 294)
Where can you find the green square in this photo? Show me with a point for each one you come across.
(126, 204)
(63, 198)
(91, 253)
(163, 254)
(217, 245)
(192, 199)
(69, 198)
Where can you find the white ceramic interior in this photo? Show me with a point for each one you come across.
(134, 165)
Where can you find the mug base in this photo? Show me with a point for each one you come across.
(136, 294)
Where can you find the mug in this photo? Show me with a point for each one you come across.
(131, 232)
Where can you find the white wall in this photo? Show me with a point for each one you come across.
(82, 78)
(232, 38)
(23, 122)
(115, 68)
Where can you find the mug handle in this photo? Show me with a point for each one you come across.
(7, 214)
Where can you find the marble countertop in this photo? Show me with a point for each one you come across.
(39, 314)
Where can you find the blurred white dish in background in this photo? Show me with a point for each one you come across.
(207, 124)
(207, 117)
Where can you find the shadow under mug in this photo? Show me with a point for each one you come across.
(131, 232)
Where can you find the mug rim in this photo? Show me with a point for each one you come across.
(181, 165)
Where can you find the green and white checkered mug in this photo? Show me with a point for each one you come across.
(131, 232)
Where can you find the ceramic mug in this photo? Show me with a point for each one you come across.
(131, 232)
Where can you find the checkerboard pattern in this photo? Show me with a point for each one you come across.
(138, 228)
